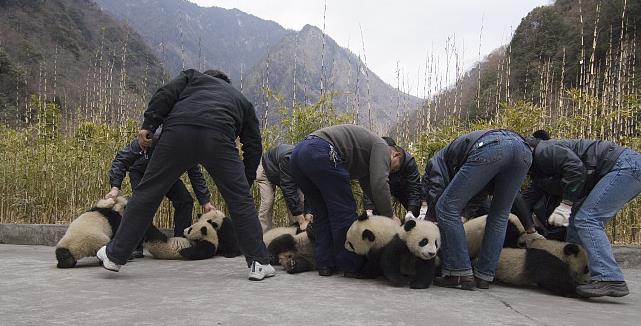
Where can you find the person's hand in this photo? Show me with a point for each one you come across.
(144, 138)
(113, 193)
(309, 217)
(369, 212)
(422, 212)
(302, 221)
(561, 215)
(526, 239)
(208, 207)
(415, 210)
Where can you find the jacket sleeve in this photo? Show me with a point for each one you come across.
(521, 209)
(367, 202)
(289, 188)
(124, 159)
(414, 184)
(199, 184)
(252, 143)
(162, 102)
(379, 167)
(435, 180)
(564, 163)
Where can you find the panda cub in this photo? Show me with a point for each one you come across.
(90, 231)
(392, 251)
(227, 239)
(475, 231)
(200, 242)
(291, 248)
(552, 265)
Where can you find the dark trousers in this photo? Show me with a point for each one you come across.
(178, 149)
(327, 188)
(180, 199)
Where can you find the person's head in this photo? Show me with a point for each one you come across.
(397, 154)
(541, 134)
(217, 74)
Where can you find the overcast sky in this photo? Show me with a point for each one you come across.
(403, 31)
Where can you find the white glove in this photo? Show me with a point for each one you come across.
(423, 212)
(561, 215)
(409, 216)
(369, 212)
(527, 238)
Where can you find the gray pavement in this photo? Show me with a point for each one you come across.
(216, 292)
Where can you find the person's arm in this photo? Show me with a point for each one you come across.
(252, 143)
(199, 184)
(379, 168)
(523, 212)
(162, 102)
(123, 161)
(434, 182)
(289, 188)
(566, 164)
(367, 202)
(413, 179)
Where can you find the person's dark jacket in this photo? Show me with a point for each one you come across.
(406, 184)
(276, 166)
(133, 158)
(480, 205)
(197, 99)
(571, 168)
(442, 167)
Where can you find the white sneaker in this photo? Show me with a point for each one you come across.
(106, 263)
(258, 271)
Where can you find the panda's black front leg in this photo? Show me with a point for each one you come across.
(199, 250)
(425, 270)
(391, 262)
(298, 265)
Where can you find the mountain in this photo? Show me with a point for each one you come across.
(72, 52)
(264, 52)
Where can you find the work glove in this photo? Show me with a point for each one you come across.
(561, 215)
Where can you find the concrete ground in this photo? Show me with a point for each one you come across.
(216, 292)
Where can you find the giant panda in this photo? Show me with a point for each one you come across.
(422, 240)
(551, 265)
(227, 240)
(475, 231)
(291, 248)
(90, 231)
(200, 242)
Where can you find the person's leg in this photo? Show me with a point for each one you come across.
(183, 206)
(220, 157)
(172, 156)
(507, 183)
(482, 164)
(135, 177)
(267, 197)
(300, 166)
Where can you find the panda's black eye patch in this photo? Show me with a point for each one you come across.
(423, 242)
(350, 245)
(189, 231)
(203, 230)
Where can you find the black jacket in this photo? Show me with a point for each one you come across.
(197, 99)
(405, 185)
(571, 168)
(442, 167)
(276, 166)
(132, 158)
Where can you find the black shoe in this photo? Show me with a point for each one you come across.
(456, 282)
(603, 288)
(481, 283)
(356, 275)
(137, 253)
(326, 271)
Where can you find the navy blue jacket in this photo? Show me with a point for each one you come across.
(276, 166)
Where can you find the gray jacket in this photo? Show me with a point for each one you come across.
(367, 157)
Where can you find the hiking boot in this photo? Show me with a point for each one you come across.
(326, 271)
(481, 283)
(603, 288)
(137, 253)
(456, 282)
(258, 271)
(104, 260)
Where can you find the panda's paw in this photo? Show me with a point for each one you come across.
(65, 258)
(290, 266)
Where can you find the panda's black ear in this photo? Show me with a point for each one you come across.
(363, 216)
(368, 235)
(214, 224)
(203, 230)
(571, 249)
(409, 225)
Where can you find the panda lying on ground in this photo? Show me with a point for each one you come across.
(552, 265)
(393, 251)
(90, 231)
(515, 236)
(201, 240)
(291, 248)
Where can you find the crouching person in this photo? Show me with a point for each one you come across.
(453, 177)
(323, 165)
(595, 179)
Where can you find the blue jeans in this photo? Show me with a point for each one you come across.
(326, 185)
(501, 157)
(608, 196)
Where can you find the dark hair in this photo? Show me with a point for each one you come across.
(541, 134)
(390, 141)
(217, 74)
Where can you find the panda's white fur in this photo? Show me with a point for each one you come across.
(370, 233)
(201, 242)
(552, 265)
(291, 248)
(90, 231)
(475, 231)
(423, 240)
